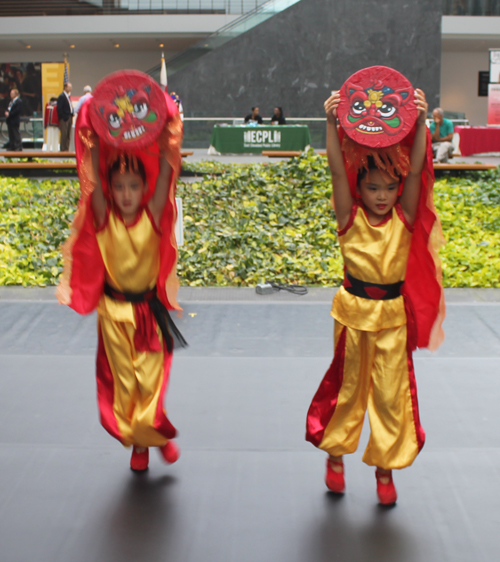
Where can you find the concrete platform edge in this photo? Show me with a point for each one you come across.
(248, 295)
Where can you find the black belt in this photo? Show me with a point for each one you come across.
(374, 291)
(170, 332)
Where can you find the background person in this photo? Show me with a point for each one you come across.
(65, 114)
(278, 118)
(442, 135)
(13, 119)
(51, 124)
(87, 93)
(31, 90)
(178, 103)
(254, 116)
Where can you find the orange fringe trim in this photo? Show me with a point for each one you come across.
(436, 240)
(170, 143)
(87, 185)
(393, 160)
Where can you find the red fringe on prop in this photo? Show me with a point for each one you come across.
(393, 160)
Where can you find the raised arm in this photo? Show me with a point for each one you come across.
(342, 198)
(160, 196)
(411, 189)
(98, 200)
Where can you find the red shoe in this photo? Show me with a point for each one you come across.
(170, 452)
(334, 480)
(139, 461)
(386, 492)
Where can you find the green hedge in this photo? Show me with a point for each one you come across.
(34, 222)
(244, 224)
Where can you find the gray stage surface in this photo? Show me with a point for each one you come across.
(247, 487)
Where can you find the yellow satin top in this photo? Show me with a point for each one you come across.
(375, 254)
(131, 255)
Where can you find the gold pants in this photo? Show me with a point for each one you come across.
(374, 371)
(131, 387)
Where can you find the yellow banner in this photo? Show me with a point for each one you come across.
(52, 81)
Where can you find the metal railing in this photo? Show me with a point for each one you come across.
(198, 130)
(190, 6)
(14, 8)
(100, 7)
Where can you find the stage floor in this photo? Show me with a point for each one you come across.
(247, 487)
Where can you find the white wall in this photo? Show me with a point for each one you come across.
(90, 66)
(459, 84)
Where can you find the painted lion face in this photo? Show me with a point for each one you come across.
(377, 107)
(128, 109)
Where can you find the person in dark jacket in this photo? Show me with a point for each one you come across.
(13, 119)
(65, 113)
(254, 116)
(278, 118)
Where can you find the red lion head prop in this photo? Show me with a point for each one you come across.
(128, 110)
(377, 107)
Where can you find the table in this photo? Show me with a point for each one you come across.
(475, 140)
(241, 139)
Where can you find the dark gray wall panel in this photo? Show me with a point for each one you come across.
(295, 58)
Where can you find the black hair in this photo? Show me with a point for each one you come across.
(363, 171)
(371, 165)
(126, 163)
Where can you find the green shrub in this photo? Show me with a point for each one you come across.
(247, 223)
(261, 221)
(34, 222)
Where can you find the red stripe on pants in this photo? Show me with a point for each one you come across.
(106, 390)
(419, 430)
(162, 424)
(325, 400)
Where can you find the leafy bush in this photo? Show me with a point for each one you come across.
(34, 221)
(469, 210)
(261, 221)
(244, 224)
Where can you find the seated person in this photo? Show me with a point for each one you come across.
(254, 116)
(442, 135)
(278, 118)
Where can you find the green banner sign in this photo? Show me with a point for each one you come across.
(240, 139)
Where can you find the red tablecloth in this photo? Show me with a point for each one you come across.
(474, 140)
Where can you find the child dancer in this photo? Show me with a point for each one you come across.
(376, 209)
(121, 259)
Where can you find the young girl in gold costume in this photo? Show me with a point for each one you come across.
(372, 366)
(121, 258)
(131, 343)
